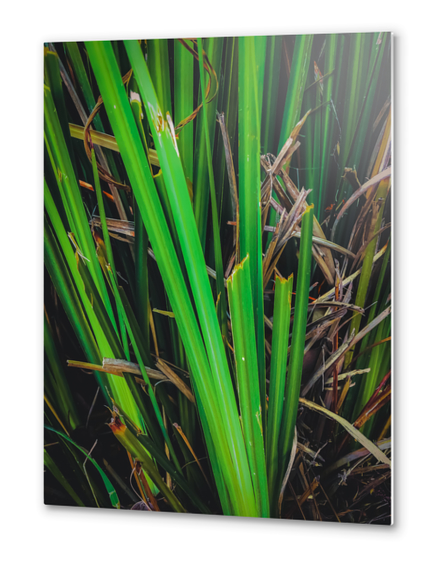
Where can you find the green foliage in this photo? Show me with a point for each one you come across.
(174, 247)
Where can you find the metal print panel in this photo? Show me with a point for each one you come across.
(217, 276)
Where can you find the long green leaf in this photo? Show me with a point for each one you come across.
(244, 342)
(277, 384)
(221, 294)
(298, 339)
(250, 231)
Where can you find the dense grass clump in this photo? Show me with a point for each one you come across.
(217, 295)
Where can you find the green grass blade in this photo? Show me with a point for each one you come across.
(80, 74)
(102, 214)
(159, 68)
(298, 339)
(227, 99)
(141, 244)
(142, 278)
(221, 294)
(250, 231)
(244, 342)
(277, 384)
(270, 96)
(296, 87)
(107, 245)
(332, 63)
(377, 292)
(367, 265)
(372, 379)
(214, 48)
(184, 105)
(53, 81)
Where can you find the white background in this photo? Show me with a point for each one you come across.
(34, 531)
